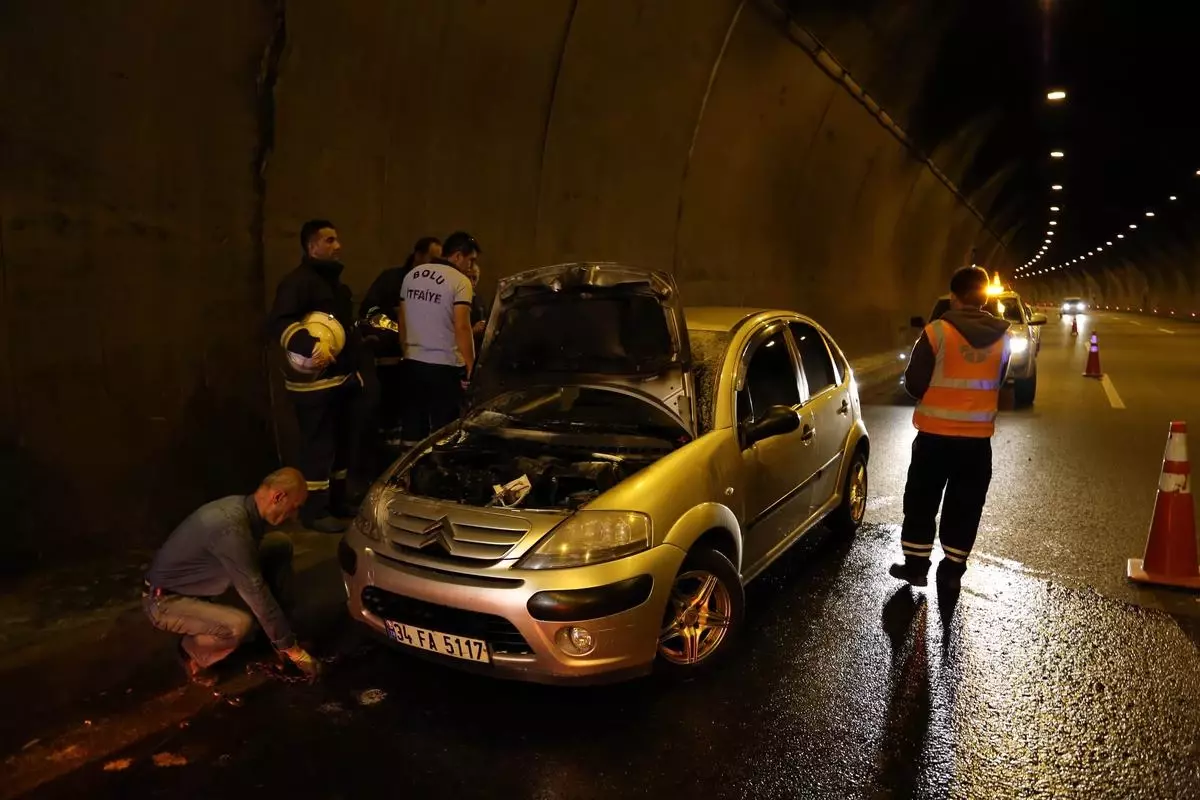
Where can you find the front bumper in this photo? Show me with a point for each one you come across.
(498, 610)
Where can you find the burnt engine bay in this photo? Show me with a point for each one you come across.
(559, 477)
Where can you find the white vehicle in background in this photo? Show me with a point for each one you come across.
(1026, 339)
(1072, 305)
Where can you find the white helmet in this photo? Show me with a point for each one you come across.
(323, 327)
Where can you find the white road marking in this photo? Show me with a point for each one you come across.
(1114, 399)
(1135, 322)
(1165, 330)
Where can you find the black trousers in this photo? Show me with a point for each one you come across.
(961, 467)
(331, 429)
(391, 397)
(433, 398)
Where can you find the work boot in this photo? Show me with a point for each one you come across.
(949, 573)
(325, 524)
(914, 572)
(195, 673)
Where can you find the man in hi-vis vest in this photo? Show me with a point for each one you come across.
(955, 372)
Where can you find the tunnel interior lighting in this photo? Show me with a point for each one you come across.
(1149, 213)
(1052, 222)
(1133, 227)
(1054, 208)
(1056, 95)
(1056, 154)
(1172, 198)
(1120, 236)
(1109, 244)
(1056, 187)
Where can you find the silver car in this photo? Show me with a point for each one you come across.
(623, 471)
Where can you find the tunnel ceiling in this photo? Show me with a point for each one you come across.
(969, 79)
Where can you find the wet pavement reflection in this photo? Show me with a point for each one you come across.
(847, 684)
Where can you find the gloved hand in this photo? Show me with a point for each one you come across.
(322, 354)
(303, 661)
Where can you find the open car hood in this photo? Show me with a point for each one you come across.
(597, 324)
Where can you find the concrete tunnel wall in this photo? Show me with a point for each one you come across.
(156, 177)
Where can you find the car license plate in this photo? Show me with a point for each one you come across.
(446, 644)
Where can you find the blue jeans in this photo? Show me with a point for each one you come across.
(211, 631)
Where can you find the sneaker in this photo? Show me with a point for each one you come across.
(910, 574)
(325, 524)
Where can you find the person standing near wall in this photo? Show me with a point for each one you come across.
(479, 309)
(384, 296)
(312, 308)
(956, 371)
(439, 348)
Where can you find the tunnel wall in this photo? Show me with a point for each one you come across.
(1165, 284)
(156, 177)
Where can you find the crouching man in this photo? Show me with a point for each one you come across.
(225, 543)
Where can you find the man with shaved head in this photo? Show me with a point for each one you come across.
(225, 543)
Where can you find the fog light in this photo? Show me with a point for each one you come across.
(575, 641)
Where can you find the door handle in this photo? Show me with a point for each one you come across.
(807, 434)
(845, 409)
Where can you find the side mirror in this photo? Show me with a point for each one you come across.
(777, 421)
(1038, 319)
(917, 322)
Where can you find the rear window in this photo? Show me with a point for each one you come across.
(594, 330)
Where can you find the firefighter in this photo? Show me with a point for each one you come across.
(384, 297)
(439, 348)
(956, 371)
(312, 319)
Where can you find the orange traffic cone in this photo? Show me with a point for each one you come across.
(1093, 364)
(1074, 326)
(1170, 557)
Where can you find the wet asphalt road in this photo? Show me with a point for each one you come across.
(1048, 676)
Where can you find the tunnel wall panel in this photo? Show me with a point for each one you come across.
(136, 211)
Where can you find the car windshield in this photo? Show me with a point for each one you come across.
(573, 409)
(1010, 311)
(708, 358)
(597, 331)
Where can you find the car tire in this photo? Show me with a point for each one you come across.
(848, 516)
(699, 645)
(1025, 391)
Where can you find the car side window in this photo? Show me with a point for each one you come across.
(814, 357)
(770, 379)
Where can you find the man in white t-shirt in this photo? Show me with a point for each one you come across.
(439, 349)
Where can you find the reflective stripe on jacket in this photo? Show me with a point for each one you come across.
(964, 392)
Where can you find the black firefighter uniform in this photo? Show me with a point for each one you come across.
(326, 401)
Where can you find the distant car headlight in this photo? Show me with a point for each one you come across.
(1019, 345)
(1066, 307)
(367, 521)
(591, 537)
(1080, 306)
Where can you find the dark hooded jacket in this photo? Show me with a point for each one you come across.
(315, 285)
(977, 326)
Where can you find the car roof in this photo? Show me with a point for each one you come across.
(722, 319)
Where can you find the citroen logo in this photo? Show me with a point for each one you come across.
(441, 531)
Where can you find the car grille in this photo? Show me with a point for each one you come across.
(479, 539)
(500, 634)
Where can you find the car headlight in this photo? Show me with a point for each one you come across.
(590, 537)
(367, 521)
(1019, 345)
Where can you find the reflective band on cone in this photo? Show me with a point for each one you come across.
(1093, 362)
(1170, 557)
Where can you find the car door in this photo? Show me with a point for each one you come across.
(829, 405)
(778, 469)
